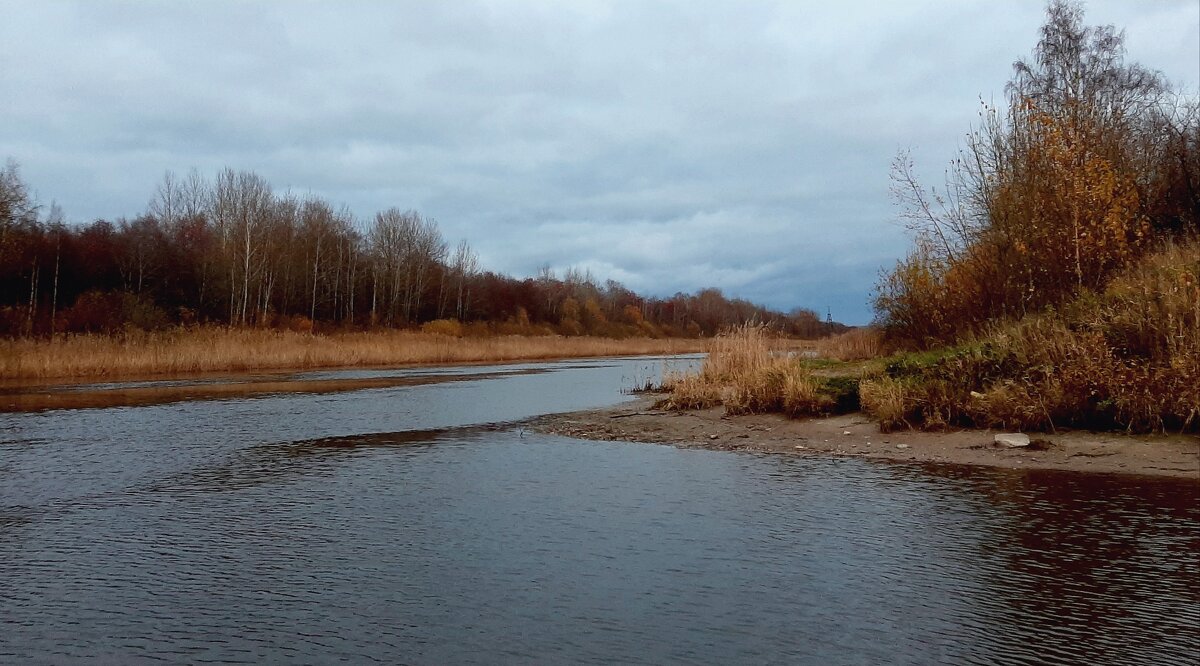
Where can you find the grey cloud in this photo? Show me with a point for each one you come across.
(669, 145)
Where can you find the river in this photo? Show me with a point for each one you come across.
(422, 524)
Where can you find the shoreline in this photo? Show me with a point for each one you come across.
(856, 435)
(162, 391)
(17, 396)
(208, 352)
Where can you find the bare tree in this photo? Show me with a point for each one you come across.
(464, 265)
(167, 203)
(240, 207)
(405, 247)
(142, 241)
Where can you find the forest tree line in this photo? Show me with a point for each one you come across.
(232, 251)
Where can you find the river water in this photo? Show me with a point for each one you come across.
(422, 524)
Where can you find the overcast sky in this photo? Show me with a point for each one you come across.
(668, 145)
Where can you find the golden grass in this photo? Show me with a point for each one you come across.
(857, 344)
(191, 351)
(885, 399)
(748, 371)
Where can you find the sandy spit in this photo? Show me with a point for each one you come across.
(856, 435)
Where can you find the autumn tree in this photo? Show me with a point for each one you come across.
(1054, 191)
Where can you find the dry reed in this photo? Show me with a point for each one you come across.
(190, 351)
(886, 399)
(857, 344)
(747, 371)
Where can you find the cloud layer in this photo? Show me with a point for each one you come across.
(668, 145)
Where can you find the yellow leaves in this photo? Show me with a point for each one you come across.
(1068, 207)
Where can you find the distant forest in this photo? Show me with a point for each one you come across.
(232, 251)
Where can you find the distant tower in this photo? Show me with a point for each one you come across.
(828, 315)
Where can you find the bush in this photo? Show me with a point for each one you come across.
(448, 327)
(110, 312)
(888, 400)
(745, 374)
(857, 344)
(297, 324)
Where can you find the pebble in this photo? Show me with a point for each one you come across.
(902, 446)
(1012, 440)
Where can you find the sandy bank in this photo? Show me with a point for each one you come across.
(855, 435)
(36, 399)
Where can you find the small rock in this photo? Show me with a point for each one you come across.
(902, 446)
(845, 432)
(714, 436)
(801, 447)
(1013, 440)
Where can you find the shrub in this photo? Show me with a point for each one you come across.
(113, 311)
(744, 373)
(448, 327)
(888, 400)
(857, 344)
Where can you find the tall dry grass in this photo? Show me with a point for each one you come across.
(190, 351)
(887, 399)
(748, 370)
(857, 344)
(1126, 358)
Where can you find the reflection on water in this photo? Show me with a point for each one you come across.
(398, 526)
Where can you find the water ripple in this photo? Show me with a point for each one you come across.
(201, 544)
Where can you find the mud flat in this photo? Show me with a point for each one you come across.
(134, 394)
(856, 435)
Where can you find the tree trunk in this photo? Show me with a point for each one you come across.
(54, 296)
(33, 281)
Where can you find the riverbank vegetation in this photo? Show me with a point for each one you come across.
(218, 349)
(1054, 282)
(749, 371)
(1058, 283)
(1126, 358)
